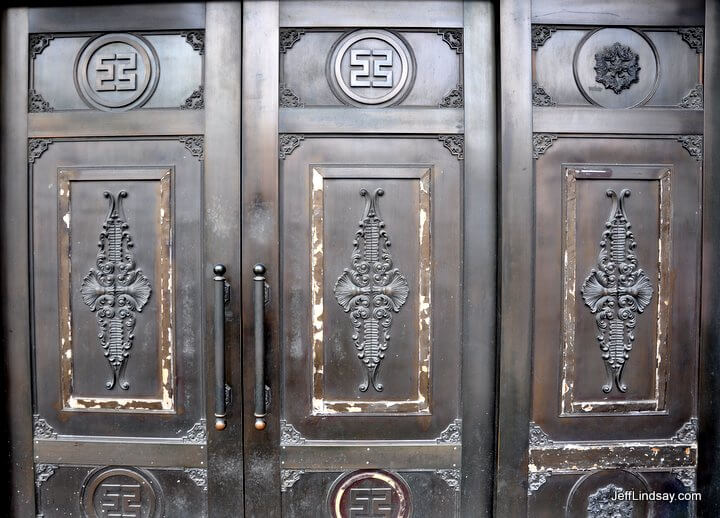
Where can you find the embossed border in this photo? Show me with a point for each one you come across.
(165, 402)
(421, 405)
(569, 406)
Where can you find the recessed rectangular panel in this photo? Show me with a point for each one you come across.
(115, 286)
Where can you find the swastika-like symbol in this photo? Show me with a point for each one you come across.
(112, 72)
(371, 502)
(120, 500)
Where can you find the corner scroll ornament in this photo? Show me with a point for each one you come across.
(288, 38)
(289, 435)
(197, 434)
(36, 147)
(541, 143)
(604, 503)
(693, 36)
(197, 475)
(455, 144)
(116, 290)
(288, 98)
(37, 104)
(694, 99)
(452, 434)
(540, 97)
(371, 290)
(39, 42)
(687, 434)
(538, 437)
(453, 99)
(454, 39)
(536, 479)
(288, 478)
(540, 34)
(617, 67)
(196, 100)
(194, 144)
(43, 472)
(196, 39)
(617, 291)
(288, 143)
(451, 477)
(687, 477)
(41, 428)
(693, 144)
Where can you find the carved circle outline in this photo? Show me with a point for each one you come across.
(343, 92)
(147, 54)
(97, 476)
(584, 92)
(582, 480)
(347, 479)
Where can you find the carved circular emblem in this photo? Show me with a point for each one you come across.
(116, 72)
(121, 492)
(371, 68)
(616, 67)
(370, 493)
(608, 494)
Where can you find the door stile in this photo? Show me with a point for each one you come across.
(222, 246)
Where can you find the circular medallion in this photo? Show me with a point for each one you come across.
(120, 492)
(116, 72)
(371, 68)
(609, 492)
(616, 68)
(370, 493)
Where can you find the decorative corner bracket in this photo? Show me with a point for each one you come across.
(194, 144)
(541, 143)
(36, 147)
(289, 37)
(536, 479)
(538, 437)
(287, 144)
(43, 472)
(41, 428)
(39, 42)
(288, 98)
(687, 476)
(540, 34)
(196, 39)
(451, 477)
(452, 434)
(289, 477)
(37, 104)
(289, 435)
(693, 144)
(540, 97)
(694, 100)
(196, 100)
(454, 38)
(197, 434)
(197, 475)
(455, 144)
(687, 433)
(693, 36)
(453, 99)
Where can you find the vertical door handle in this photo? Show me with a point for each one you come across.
(259, 302)
(219, 321)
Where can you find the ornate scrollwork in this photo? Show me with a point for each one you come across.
(540, 97)
(538, 437)
(43, 472)
(455, 144)
(196, 100)
(694, 99)
(617, 67)
(617, 291)
(603, 503)
(41, 428)
(197, 475)
(116, 290)
(196, 39)
(693, 36)
(289, 434)
(687, 433)
(536, 479)
(452, 434)
(693, 144)
(195, 144)
(454, 39)
(540, 34)
(36, 147)
(197, 434)
(371, 290)
(287, 144)
(37, 104)
(453, 99)
(288, 478)
(687, 476)
(288, 98)
(450, 476)
(288, 38)
(39, 42)
(541, 143)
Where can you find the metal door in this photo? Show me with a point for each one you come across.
(355, 223)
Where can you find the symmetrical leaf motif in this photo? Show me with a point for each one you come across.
(617, 67)
(616, 291)
(116, 290)
(371, 290)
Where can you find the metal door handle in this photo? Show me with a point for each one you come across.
(219, 318)
(259, 302)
